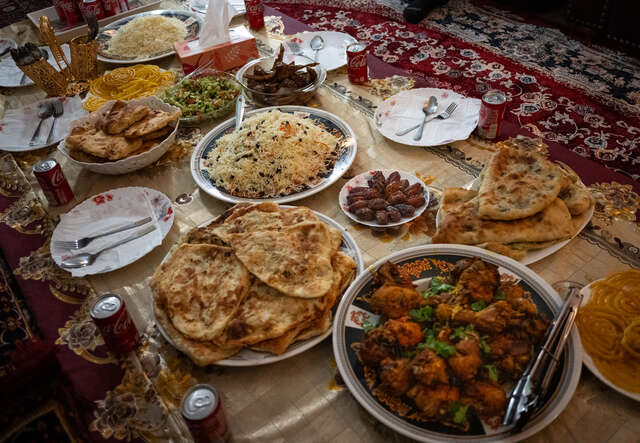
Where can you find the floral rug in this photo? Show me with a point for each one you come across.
(585, 98)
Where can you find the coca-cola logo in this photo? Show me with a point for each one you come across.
(358, 61)
(57, 178)
(122, 325)
(255, 8)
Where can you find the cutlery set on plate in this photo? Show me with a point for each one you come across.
(86, 259)
(430, 110)
(46, 109)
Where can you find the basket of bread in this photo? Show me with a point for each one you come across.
(122, 136)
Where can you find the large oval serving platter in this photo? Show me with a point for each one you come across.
(422, 263)
(588, 361)
(329, 121)
(192, 20)
(247, 357)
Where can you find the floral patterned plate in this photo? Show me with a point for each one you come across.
(107, 211)
(420, 264)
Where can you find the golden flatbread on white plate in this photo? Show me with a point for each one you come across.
(266, 319)
(202, 287)
(518, 184)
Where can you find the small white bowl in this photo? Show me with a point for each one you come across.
(135, 162)
(361, 180)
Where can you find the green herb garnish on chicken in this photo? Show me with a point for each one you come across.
(422, 314)
(458, 412)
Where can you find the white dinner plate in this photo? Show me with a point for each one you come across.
(361, 180)
(18, 125)
(328, 121)
(247, 357)
(192, 20)
(588, 361)
(106, 211)
(334, 53)
(354, 311)
(404, 110)
(10, 74)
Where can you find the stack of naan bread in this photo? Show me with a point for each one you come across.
(523, 202)
(259, 276)
(118, 130)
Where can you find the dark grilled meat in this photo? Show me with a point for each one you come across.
(434, 401)
(377, 345)
(479, 281)
(428, 368)
(395, 375)
(395, 301)
(487, 399)
(467, 360)
(407, 332)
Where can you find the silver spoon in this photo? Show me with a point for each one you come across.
(85, 259)
(429, 108)
(45, 109)
(317, 43)
(239, 111)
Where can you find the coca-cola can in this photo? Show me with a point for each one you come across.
(114, 7)
(494, 103)
(53, 182)
(357, 63)
(255, 13)
(88, 6)
(68, 11)
(117, 329)
(202, 410)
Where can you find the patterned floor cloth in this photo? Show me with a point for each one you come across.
(586, 98)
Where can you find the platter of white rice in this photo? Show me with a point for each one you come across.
(146, 36)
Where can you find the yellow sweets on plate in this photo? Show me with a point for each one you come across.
(126, 83)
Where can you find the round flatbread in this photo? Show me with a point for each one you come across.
(202, 287)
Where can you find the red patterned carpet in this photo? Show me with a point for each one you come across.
(586, 98)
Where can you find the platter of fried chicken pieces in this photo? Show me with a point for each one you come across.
(120, 130)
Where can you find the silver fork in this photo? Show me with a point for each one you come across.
(443, 115)
(58, 110)
(81, 243)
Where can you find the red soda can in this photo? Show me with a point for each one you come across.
(53, 182)
(113, 7)
(494, 103)
(71, 13)
(117, 329)
(357, 63)
(255, 13)
(91, 5)
(202, 410)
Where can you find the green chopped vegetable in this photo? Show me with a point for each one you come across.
(368, 326)
(422, 314)
(461, 332)
(458, 412)
(201, 96)
(427, 293)
(499, 295)
(441, 348)
(437, 286)
(484, 346)
(478, 305)
(493, 372)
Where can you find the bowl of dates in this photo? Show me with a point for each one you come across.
(383, 198)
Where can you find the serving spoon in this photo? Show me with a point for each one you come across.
(317, 43)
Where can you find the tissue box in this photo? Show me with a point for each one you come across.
(236, 52)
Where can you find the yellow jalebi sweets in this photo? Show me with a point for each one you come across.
(125, 84)
(609, 326)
